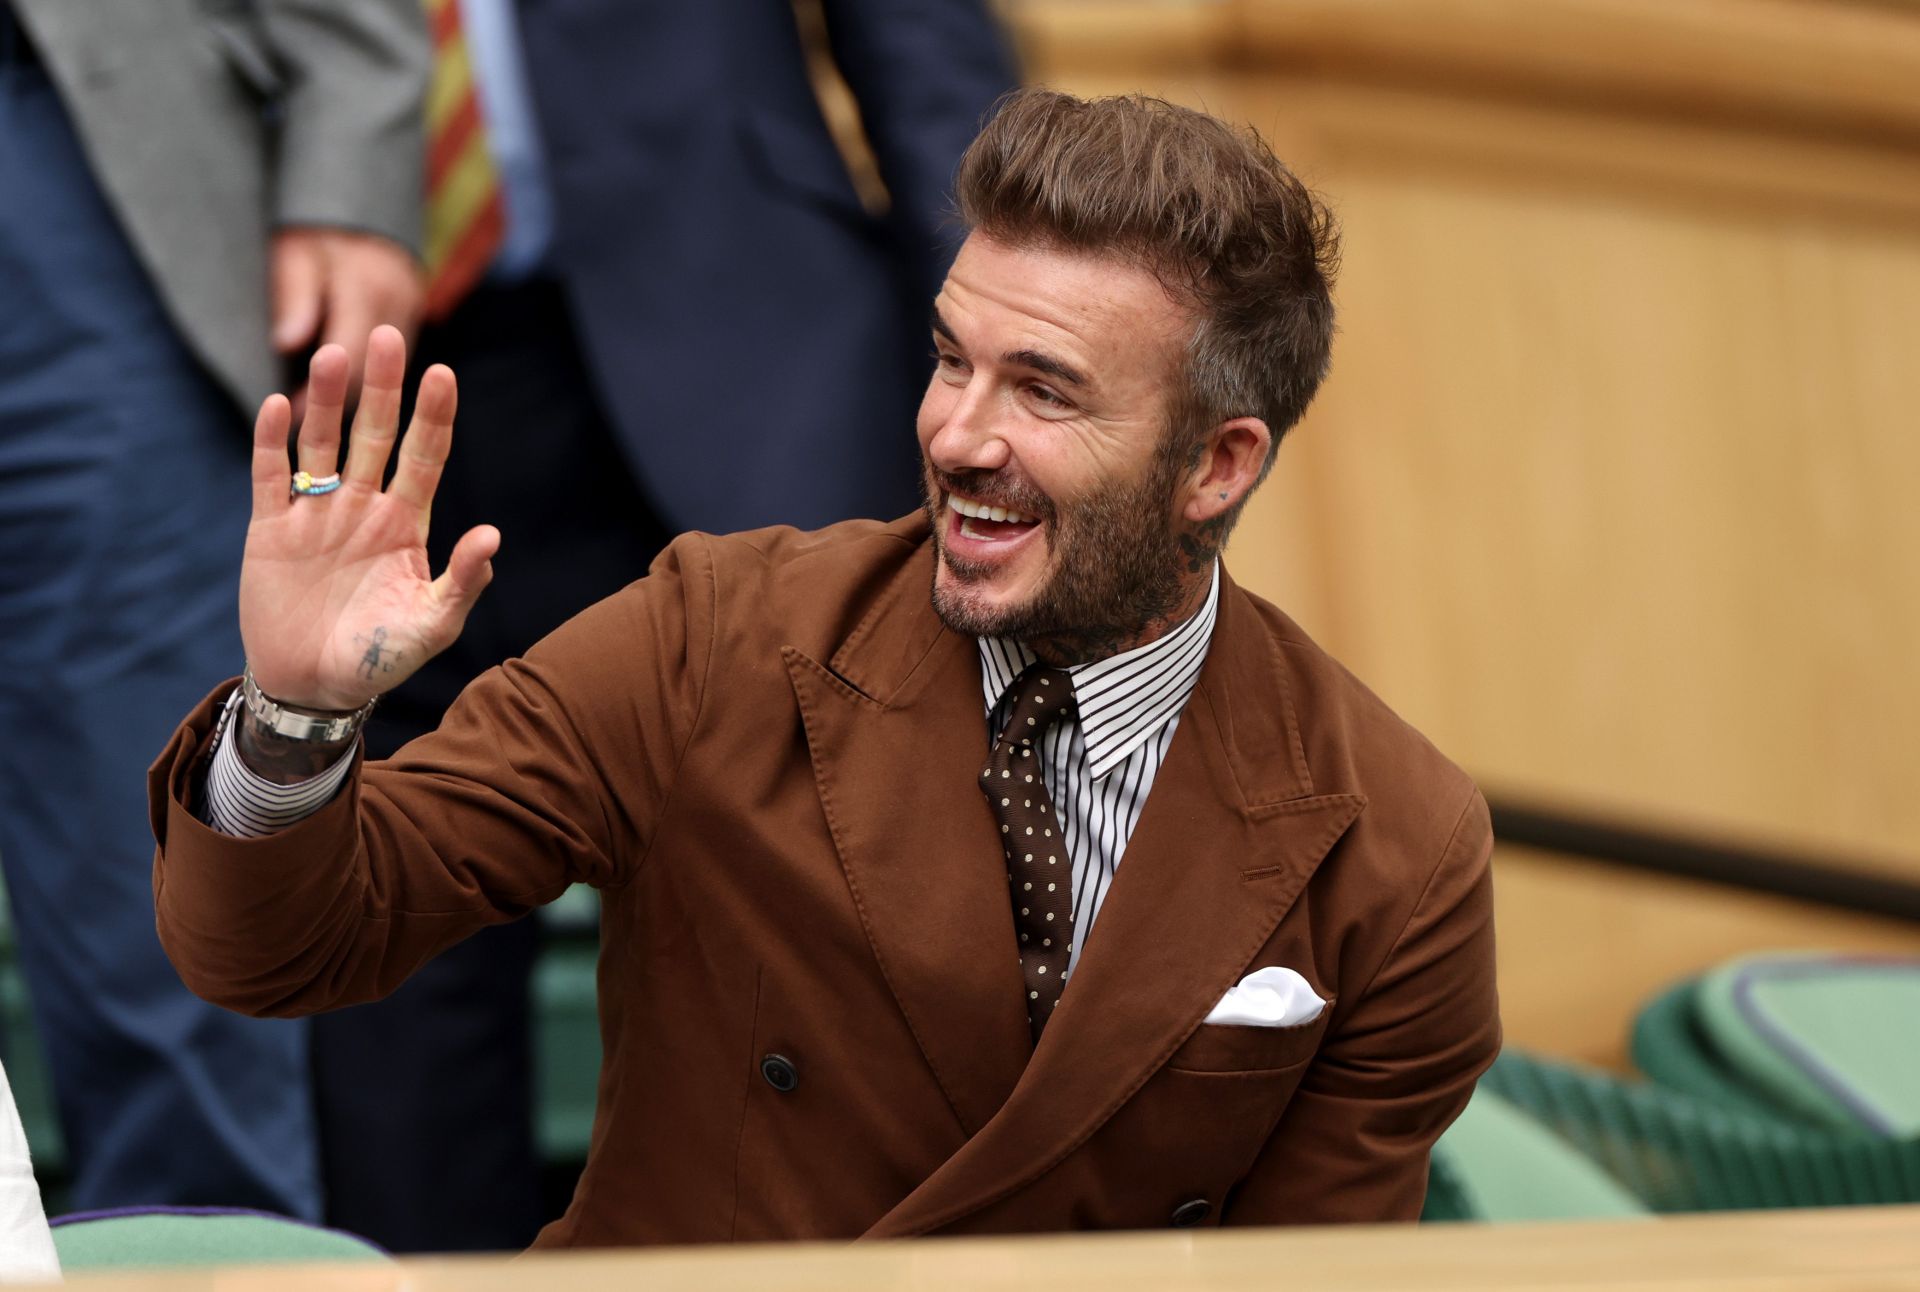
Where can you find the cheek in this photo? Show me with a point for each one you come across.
(1056, 467)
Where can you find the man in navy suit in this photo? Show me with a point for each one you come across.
(693, 323)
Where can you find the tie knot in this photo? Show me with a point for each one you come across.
(1038, 698)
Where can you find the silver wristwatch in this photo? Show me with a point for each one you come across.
(295, 724)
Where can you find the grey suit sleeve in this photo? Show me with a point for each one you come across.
(352, 150)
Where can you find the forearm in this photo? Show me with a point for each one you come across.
(277, 899)
(495, 813)
(274, 765)
(251, 797)
(281, 759)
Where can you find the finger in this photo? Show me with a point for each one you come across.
(319, 442)
(270, 496)
(469, 571)
(299, 401)
(348, 322)
(377, 423)
(297, 295)
(423, 453)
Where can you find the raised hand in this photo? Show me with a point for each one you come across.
(337, 604)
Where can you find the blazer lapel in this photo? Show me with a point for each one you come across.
(896, 730)
(1229, 837)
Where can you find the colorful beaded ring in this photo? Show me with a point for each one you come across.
(307, 485)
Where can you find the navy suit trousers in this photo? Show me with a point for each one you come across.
(123, 509)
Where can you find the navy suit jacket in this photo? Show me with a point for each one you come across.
(758, 337)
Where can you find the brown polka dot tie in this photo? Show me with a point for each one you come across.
(1039, 872)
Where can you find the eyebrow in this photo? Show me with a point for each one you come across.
(1035, 359)
(1044, 363)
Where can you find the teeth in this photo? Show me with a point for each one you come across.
(980, 511)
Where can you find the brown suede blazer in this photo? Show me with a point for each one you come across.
(765, 755)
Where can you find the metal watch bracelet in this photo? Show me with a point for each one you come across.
(293, 724)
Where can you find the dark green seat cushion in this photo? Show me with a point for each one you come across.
(1669, 1046)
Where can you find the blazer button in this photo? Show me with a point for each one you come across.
(1188, 1214)
(780, 1073)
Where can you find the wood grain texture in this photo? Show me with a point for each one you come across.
(1610, 491)
(1771, 60)
(1859, 1250)
(1583, 946)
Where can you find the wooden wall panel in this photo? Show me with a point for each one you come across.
(1583, 946)
(1611, 489)
(1628, 523)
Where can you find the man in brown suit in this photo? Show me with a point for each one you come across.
(1249, 980)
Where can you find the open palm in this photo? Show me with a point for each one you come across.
(337, 604)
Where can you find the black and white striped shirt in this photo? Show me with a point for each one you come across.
(1100, 763)
(246, 805)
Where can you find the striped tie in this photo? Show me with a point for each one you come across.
(465, 216)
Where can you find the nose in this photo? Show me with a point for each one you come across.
(965, 436)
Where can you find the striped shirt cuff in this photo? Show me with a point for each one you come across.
(242, 803)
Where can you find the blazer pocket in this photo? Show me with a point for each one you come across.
(1234, 1047)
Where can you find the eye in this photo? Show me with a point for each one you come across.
(1048, 396)
(947, 361)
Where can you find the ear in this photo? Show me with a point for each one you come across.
(1228, 467)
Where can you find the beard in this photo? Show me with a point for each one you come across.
(1114, 560)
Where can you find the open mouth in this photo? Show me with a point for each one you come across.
(987, 523)
(983, 523)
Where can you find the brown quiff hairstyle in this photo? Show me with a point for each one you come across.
(1208, 209)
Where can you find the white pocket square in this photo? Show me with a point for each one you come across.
(1270, 997)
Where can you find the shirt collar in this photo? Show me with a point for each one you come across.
(1126, 698)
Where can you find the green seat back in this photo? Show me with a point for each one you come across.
(1681, 1153)
(568, 1047)
(1669, 1047)
(1834, 1039)
(163, 1238)
(1498, 1163)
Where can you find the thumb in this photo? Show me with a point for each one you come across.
(469, 571)
(299, 281)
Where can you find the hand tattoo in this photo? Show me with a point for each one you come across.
(377, 659)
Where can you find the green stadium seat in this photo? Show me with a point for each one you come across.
(1678, 1152)
(1832, 1039)
(567, 1048)
(162, 1238)
(1498, 1163)
(1669, 1047)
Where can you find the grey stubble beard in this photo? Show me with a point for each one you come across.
(1118, 570)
